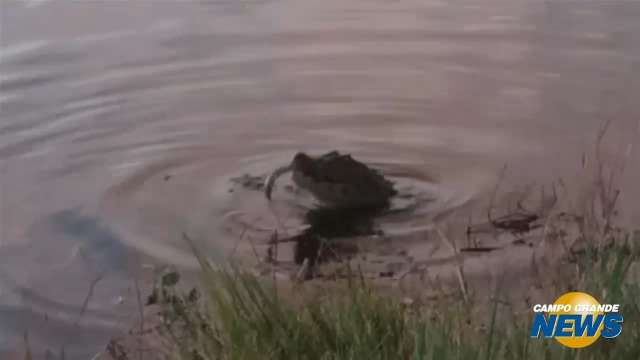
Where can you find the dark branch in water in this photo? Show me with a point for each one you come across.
(522, 221)
(480, 249)
(85, 304)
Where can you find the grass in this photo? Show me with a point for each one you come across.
(236, 315)
(240, 316)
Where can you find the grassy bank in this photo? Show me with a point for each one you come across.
(234, 314)
(239, 316)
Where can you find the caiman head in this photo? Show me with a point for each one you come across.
(301, 162)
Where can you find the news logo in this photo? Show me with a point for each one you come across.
(576, 320)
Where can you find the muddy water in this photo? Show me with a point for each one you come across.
(122, 124)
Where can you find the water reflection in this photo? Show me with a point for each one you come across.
(41, 284)
(101, 101)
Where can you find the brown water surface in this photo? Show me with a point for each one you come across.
(121, 123)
